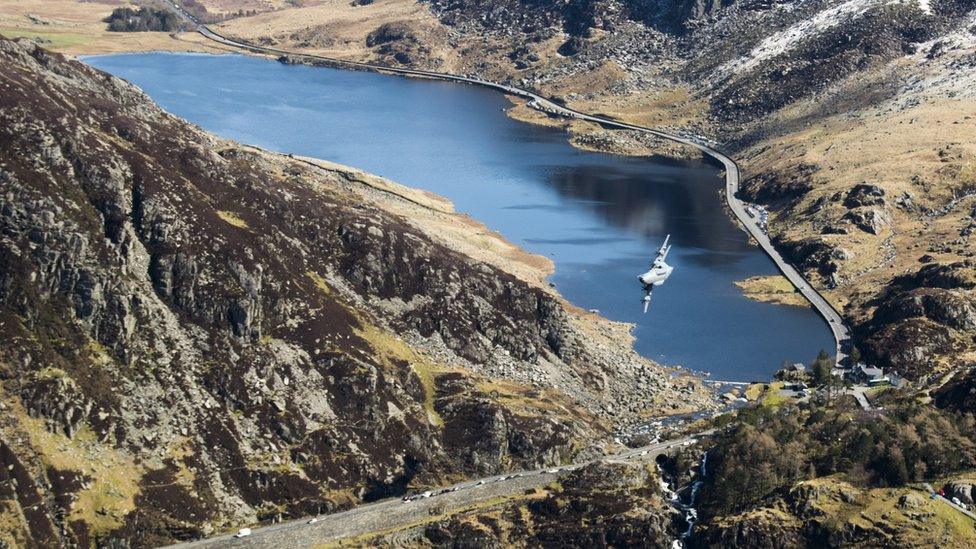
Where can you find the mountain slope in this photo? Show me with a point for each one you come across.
(199, 334)
(852, 121)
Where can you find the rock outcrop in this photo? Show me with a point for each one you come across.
(959, 393)
(865, 194)
(605, 504)
(199, 335)
(923, 318)
(830, 512)
(396, 41)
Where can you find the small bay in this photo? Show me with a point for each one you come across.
(599, 217)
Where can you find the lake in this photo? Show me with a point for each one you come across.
(599, 217)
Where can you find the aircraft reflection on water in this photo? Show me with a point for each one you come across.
(658, 274)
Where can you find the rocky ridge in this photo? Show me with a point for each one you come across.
(830, 512)
(605, 504)
(816, 98)
(200, 335)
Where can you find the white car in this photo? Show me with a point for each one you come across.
(426, 495)
(551, 471)
(312, 520)
(243, 533)
(480, 483)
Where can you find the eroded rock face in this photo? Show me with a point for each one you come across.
(922, 318)
(605, 504)
(865, 194)
(868, 220)
(396, 41)
(874, 37)
(912, 347)
(749, 531)
(961, 490)
(779, 188)
(959, 393)
(953, 308)
(812, 253)
(227, 329)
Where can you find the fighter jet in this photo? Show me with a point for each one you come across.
(660, 271)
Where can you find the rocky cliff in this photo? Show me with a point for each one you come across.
(851, 120)
(198, 335)
(826, 473)
(830, 512)
(605, 504)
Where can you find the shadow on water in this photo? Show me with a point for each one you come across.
(650, 206)
(599, 217)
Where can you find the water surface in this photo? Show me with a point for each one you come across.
(599, 217)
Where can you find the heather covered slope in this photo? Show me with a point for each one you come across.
(198, 335)
(827, 473)
(852, 121)
(816, 99)
(604, 504)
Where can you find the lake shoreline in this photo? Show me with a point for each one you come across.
(580, 188)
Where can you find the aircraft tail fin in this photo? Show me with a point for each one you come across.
(665, 248)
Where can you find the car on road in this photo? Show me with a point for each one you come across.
(480, 483)
(426, 494)
(312, 520)
(552, 471)
(243, 533)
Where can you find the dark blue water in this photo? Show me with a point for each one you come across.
(599, 217)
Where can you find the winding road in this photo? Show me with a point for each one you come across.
(838, 328)
(393, 514)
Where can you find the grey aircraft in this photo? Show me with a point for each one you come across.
(659, 272)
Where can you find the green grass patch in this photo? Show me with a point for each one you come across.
(50, 372)
(766, 394)
(231, 218)
(755, 391)
(110, 494)
(393, 351)
(50, 39)
(772, 398)
(427, 374)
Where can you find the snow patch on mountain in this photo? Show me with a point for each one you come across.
(783, 41)
(947, 65)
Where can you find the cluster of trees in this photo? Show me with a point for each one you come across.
(820, 369)
(142, 20)
(766, 450)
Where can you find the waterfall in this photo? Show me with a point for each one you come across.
(688, 508)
